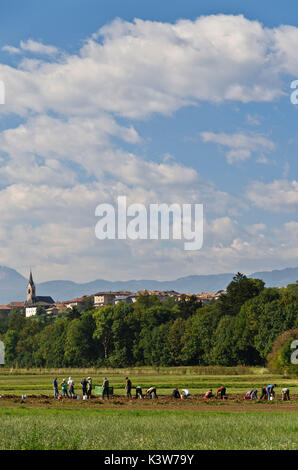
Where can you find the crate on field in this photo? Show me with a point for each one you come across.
(98, 389)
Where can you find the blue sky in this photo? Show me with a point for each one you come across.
(189, 103)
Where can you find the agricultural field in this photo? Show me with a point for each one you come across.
(40, 422)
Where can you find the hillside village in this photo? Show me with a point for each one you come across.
(34, 305)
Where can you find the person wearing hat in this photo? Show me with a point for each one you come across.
(64, 388)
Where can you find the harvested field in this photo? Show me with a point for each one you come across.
(195, 403)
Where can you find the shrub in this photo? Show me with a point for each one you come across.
(279, 360)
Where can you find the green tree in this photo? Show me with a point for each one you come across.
(81, 347)
(188, 306)
(238, 292)
(11, 339)
(103, 317)
(176, 340)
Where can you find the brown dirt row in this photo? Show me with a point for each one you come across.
(195, 403)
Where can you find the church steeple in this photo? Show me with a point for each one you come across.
(31, 290)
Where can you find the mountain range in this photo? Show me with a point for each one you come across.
(13, 284)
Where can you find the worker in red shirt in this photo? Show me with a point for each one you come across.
(222, 392)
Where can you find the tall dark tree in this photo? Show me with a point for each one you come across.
(238, 292)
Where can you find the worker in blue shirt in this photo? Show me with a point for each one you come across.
(270, 391)
(55, 387)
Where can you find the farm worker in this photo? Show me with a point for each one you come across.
(55, 387)
(139, 392)
(270, 391)
(175, 393)
(128, 387)
(209, 394)
(64, 388)
(84, 386)
(105, 390)
(152, 392)
(222, 392)
(185, 393)
(247, 395)
(254, 394)
(71, 388)
(264, 393)
(89, 387)
(285, 394)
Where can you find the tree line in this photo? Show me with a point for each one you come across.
(237, 329)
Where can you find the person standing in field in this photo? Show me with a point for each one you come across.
(55, 387)
(84, 386)
(128, 386)
(89, 387)
(64, 388)
(105, 390)
(71, 388)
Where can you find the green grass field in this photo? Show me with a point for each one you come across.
(161, 424)
(149, 430)
(197, 380)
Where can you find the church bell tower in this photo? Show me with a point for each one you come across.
(31, 290)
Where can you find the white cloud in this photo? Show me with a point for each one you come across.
(64, 159)
(240, 146)
(36, 47)
(147, 67)
(11, 49)
(276, 196)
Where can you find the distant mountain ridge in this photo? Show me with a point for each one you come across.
(13, 285)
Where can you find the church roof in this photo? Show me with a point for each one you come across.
(31, 278)
(41, 300)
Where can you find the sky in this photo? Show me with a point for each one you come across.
(163, 102)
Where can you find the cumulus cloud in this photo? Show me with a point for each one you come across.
(72, 149)
(276, 196)
(11, 49)
(38, 48)
(240, 146)
(138, 68)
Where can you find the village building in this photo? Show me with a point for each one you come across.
(4, 310)
(74, 303)
(104, 298)
(112, 298)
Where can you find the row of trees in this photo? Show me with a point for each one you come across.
(239, 328)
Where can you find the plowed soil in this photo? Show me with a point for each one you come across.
(195, 403)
